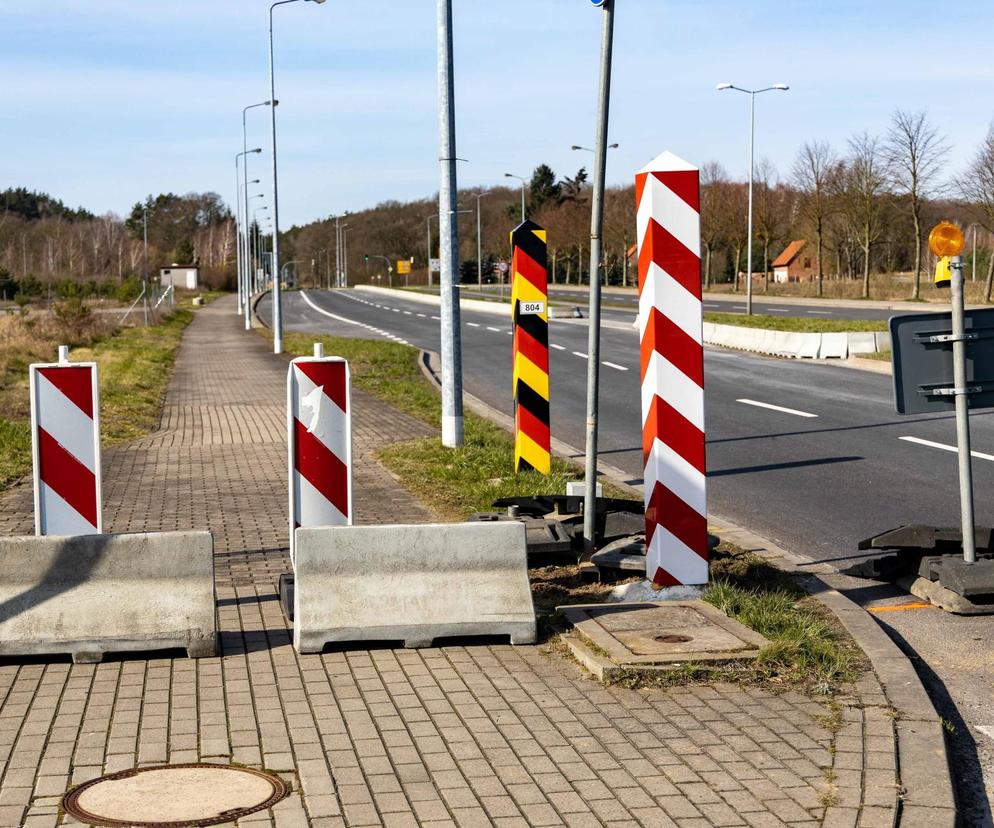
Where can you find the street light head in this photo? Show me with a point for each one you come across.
(319, 2)
(509, 175)
(256, 150)
(575, 147)
(781, 86)
(613, 146)
(723, 86)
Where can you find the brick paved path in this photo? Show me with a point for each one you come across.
(475, 735)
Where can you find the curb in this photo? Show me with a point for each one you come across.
(925, 797)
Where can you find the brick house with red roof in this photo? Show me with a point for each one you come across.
(795, 264)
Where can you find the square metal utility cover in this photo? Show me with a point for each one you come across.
(664, 633)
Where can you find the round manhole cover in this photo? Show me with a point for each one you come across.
(175, 796)
(673, 638)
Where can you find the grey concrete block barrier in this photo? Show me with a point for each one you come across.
(89, 595)
(411, 583)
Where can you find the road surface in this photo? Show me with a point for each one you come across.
(811, 456)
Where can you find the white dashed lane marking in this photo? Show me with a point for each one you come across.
(779, 408)
(614, 365)
(931, 444)
(557, 347)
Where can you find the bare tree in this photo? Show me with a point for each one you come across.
(714, 181)
(976, 185)
(863, 186)
(915, 154)
(773, 213)
(813, 173)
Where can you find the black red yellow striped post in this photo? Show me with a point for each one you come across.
(530, 309)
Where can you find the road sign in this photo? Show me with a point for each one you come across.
(502, 266)
(667, 193)
(529, 296)
(403, 267)
(435, 265)
(65, 444)
(319, 436)
(921, 344)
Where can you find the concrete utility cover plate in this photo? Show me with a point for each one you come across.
(663, 633)
(174, 796)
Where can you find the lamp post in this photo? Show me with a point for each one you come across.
(259, 238)
(345, 255)
(587, 149)
(596, 233)
(247, 286)
(479, 243)
(238, 160)
(524, 183)
(145, 260)
(243, 249)
(277, 312)
(752, 93)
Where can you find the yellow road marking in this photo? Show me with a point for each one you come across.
(900, 607)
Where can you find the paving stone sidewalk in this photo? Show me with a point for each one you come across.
(476, 735)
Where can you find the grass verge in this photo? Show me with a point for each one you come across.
(796, 324)
(135, 365)
(453, 482)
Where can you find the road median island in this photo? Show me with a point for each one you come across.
(135, 366)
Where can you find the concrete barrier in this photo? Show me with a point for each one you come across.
(834, 346)
(810, 347)
(411, 583)
(92, 594)
(862, 343)
(479, 305)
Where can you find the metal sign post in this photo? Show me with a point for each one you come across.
(961, 390)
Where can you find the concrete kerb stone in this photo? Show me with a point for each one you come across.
(413, 583)
(92, 594)
(927, 794)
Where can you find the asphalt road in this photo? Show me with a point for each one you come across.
(808, 455)
(723, 303)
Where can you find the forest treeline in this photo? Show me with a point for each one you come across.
(865, 209)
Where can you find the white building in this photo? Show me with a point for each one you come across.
(181, 276)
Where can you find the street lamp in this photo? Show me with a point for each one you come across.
(752, 93)
(479, 243)
(523, 185)
(277, 312)
(238, 160)
(247, 287)
(587, 149)
(345, 255)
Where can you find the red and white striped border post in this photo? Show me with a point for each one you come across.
(319, 435)
(672, 370)
(65, 447)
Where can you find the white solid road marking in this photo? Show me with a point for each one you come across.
(615, 366)
(978, 454)
(779, 408)
(557, 347)
(580, 354)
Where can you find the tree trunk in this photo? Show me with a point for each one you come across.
(766, 266)
(818, 252)
(707, 267)
(990, 278)
(866, 263)
(624, 265)
(735, 268)
(916, 292)
(555, 255)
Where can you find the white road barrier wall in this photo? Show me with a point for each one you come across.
(493, 308)
(411, 583)
(796, 344)
(92, 594)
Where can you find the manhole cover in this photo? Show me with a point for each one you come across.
(672, 638)
(175, 796)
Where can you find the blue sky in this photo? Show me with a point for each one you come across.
(107, 100)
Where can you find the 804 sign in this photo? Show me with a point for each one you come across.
(532, 307)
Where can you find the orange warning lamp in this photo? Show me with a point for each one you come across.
(946, 239)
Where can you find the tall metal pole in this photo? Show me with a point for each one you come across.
(752, 141)
(247, 277)
(345, 255)
(145, 265)
(277, 304)
(338, 251)
(448, 230)
(596, 231)
(962, 412)
(239, 265)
